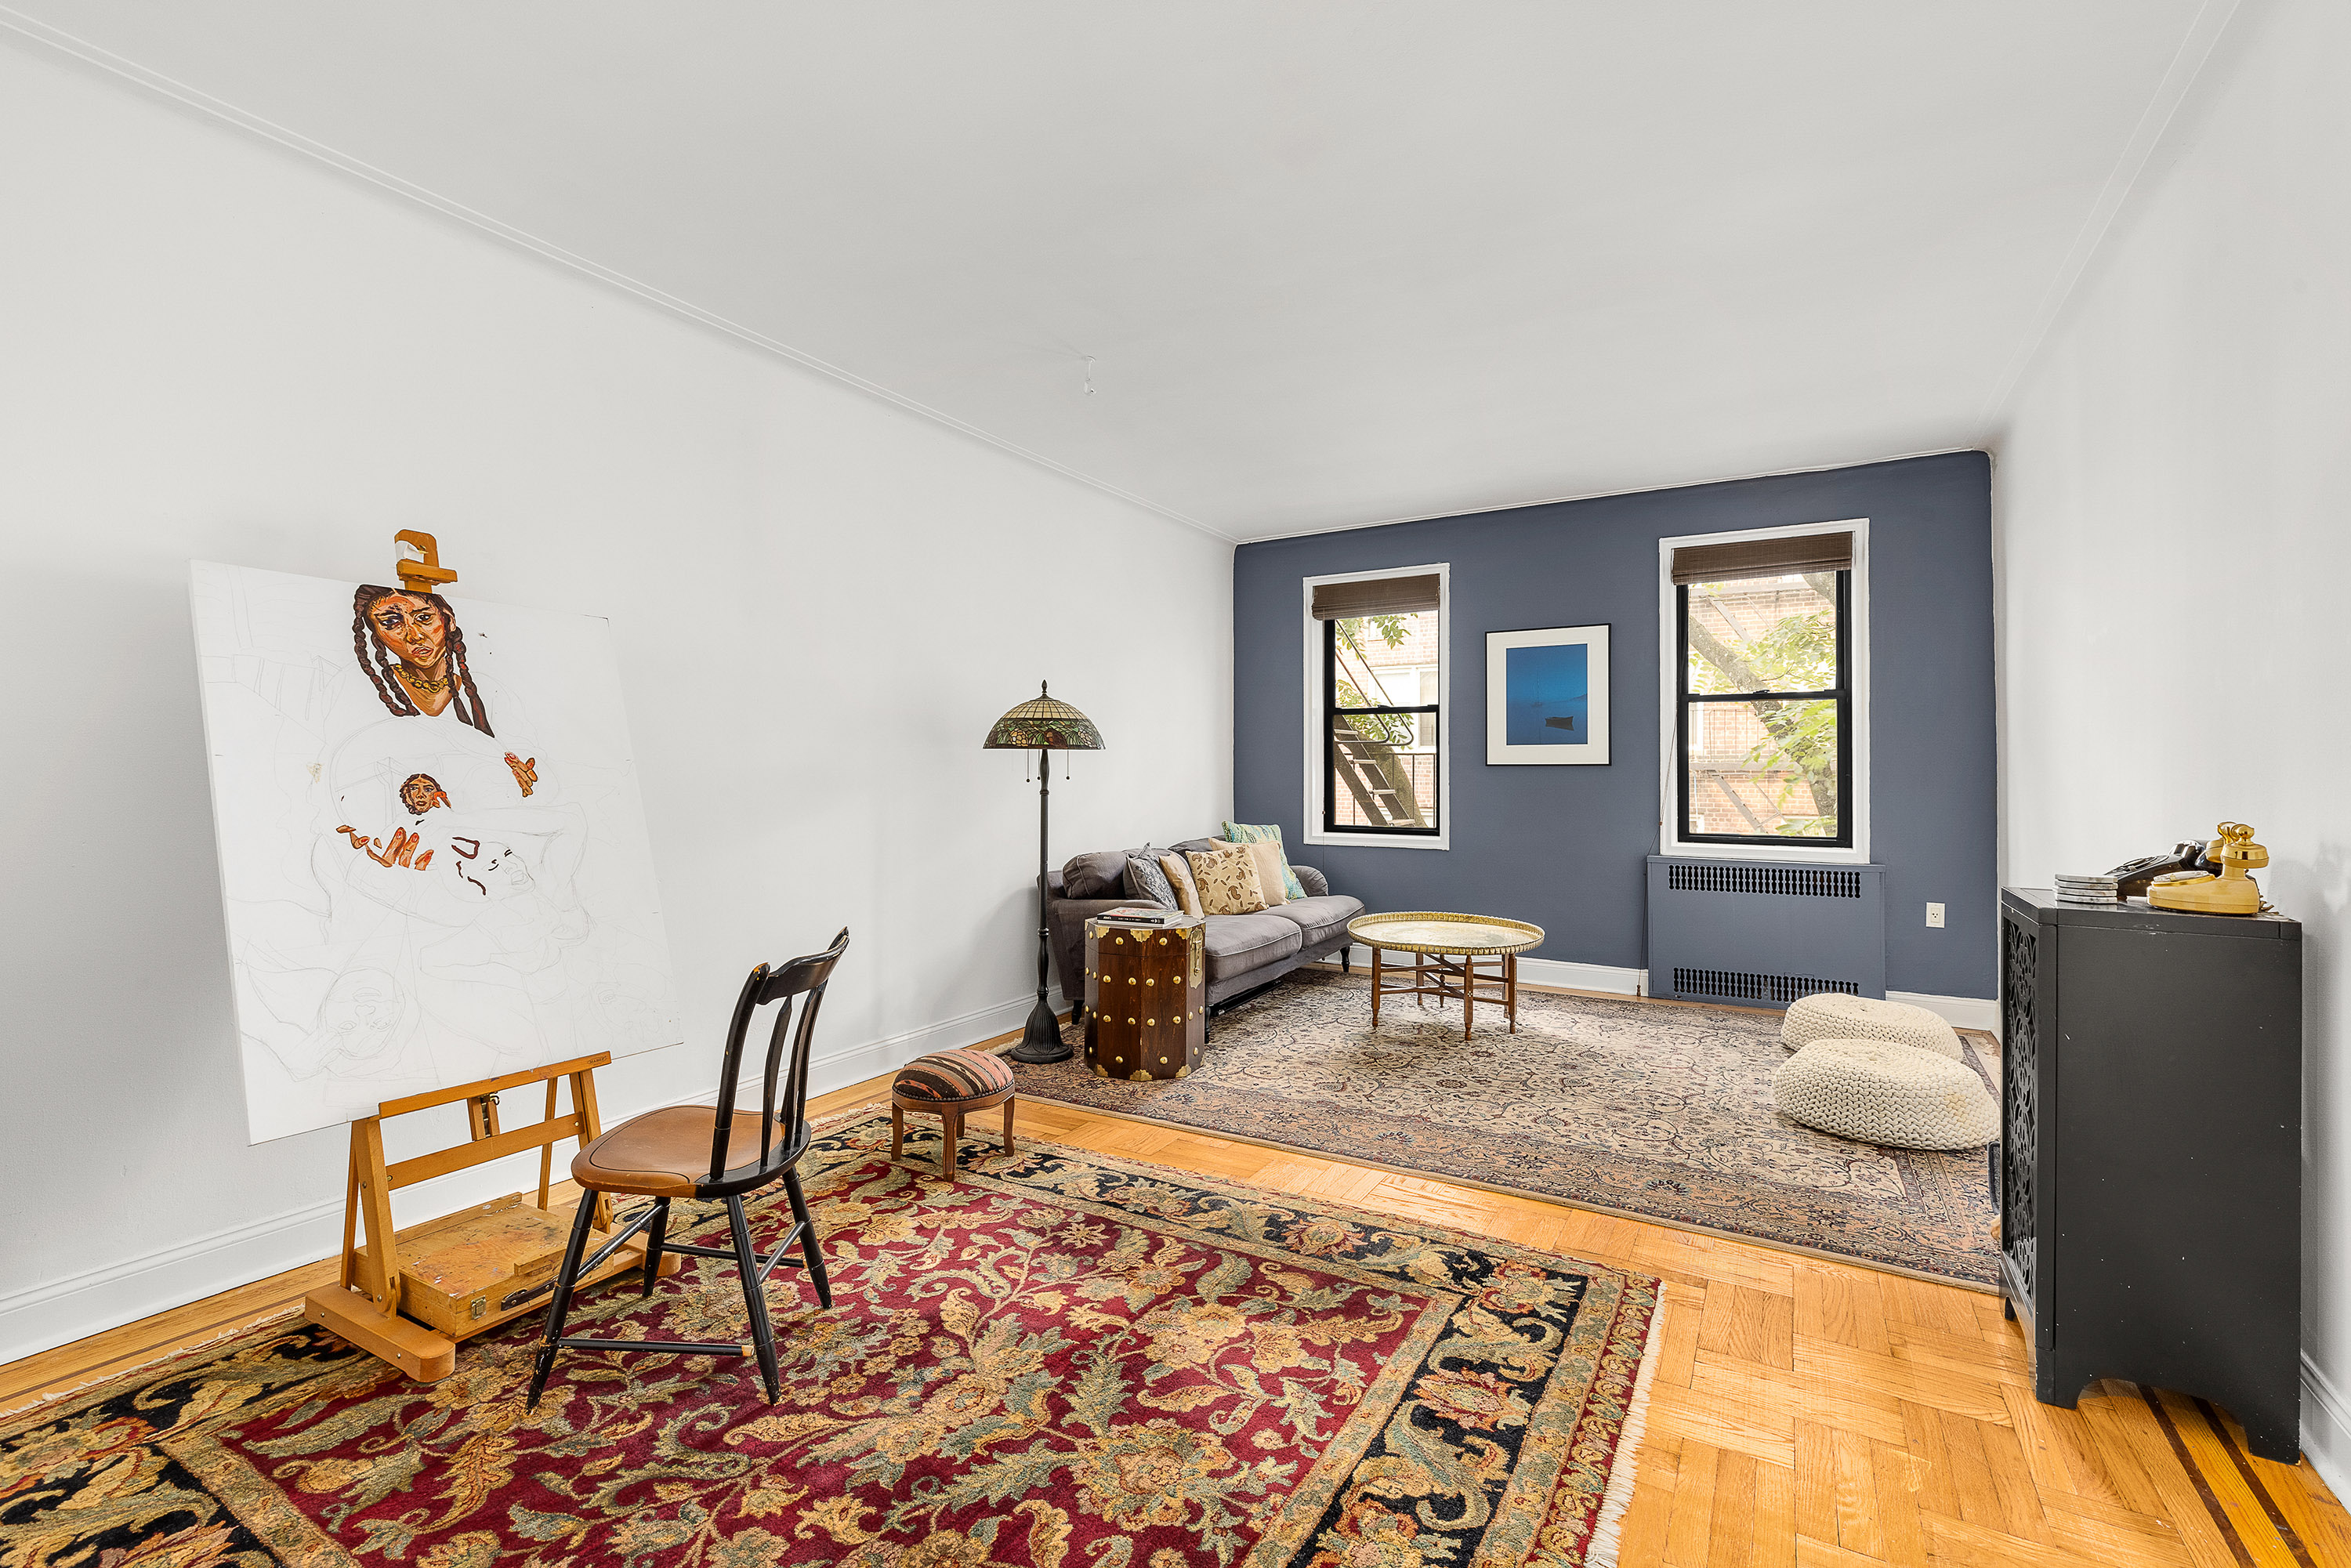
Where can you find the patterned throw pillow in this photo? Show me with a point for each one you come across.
(1179, 877)
(1144, 880)
(1228, 881)
(1269, 867)
(1267, 834)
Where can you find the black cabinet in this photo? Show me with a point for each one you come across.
(2150, 1153)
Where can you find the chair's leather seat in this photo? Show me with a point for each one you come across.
(666, 1153)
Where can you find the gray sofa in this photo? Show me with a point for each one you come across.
(1245, 951)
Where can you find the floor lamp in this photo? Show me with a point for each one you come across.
(1044, 725)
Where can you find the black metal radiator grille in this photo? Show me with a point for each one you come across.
(1803, 882)
(1729, 986)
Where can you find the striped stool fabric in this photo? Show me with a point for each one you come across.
(951, 1085)
(946, 1076)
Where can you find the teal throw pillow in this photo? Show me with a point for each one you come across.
(1266, 833)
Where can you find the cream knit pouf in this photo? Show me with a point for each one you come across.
(1880, 1091)
(1832, 1015)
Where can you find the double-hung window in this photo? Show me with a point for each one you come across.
(1762, 691)
(1376, 724)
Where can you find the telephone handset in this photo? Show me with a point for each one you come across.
(2215, 881)
(2133, 877)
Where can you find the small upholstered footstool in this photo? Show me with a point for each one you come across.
(1882, 1092)
(955, 1083)
(1833, 1015)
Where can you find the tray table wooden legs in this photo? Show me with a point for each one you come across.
(1469, 978)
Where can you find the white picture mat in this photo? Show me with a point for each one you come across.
(1594, 752)
(357, 982)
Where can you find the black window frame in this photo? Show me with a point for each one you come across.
(1331, 712)
(1843, 693)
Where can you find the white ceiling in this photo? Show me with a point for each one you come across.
(1335, 263)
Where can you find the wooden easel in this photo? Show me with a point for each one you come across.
(411, 1296)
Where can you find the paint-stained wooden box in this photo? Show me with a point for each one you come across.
(1146, 998)
(473, 1270)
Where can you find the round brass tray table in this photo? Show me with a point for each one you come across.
(1467, 958)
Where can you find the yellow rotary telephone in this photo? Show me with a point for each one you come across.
(2230, 893)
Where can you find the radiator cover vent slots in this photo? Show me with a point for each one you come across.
(1760, 933)
(1802, 880)
(1724, 985)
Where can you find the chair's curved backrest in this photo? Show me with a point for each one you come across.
(803, 979)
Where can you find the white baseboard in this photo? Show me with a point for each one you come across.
(1585, 977)
(1959, 1012)
(2325, 1428)
(57, 1311)
(1546, 972)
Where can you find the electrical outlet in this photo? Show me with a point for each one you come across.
(1935, 915)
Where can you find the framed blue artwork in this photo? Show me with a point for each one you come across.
(1547, 696)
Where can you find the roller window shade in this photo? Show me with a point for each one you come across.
(1374, 596)
(1760, 557)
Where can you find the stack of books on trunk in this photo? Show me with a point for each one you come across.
(1141, 914)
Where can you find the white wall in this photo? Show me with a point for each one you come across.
(210, 347)
(2176, 566)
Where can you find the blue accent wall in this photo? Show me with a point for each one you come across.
(1564, 847)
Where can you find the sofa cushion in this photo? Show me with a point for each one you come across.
(1178, 873)
(1319, 919)
(1146, 881)
(1269, 871)
(1228, 881)
(1102, 873)
(1267, 834)
(1240, 943)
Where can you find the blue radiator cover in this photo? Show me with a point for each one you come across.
(1764, 933)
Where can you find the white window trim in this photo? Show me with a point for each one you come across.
(1857, 789)
(1315, 834)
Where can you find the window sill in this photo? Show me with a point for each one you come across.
(1378, 841)
(1856, 855)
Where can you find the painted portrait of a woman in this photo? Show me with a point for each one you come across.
(414, 651)
(407, 791)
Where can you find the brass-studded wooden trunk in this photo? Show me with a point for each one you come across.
(1146, 998)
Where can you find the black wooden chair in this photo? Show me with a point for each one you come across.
(701, 1152)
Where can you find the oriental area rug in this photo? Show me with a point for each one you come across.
(1067, 1361)
(1657, 1112)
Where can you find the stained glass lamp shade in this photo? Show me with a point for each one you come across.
(1042, 723)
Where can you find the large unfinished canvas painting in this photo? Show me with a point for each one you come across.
(432, 851)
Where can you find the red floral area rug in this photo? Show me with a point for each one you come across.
(1066, 1360)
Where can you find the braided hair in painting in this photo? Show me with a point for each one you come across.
(381, 664)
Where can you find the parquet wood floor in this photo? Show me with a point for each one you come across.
(1805, 1414)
